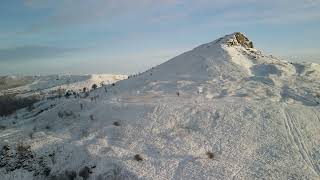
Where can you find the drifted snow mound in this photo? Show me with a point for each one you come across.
(223, 110)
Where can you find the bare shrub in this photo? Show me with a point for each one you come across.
(116, 123)
(94, 86)
(48, 127)
(63, 114)
(85, 172)
(137, 157)
(68, 94)
(60, 114)
(84, 89)
(210, 154)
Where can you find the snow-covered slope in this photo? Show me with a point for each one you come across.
(48, 85)
(223, 110)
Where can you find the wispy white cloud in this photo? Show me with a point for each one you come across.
(73, 12)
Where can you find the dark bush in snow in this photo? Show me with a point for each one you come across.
(46, 171)
(116, 123)
(62, 114)
(94, 86)
(84, 89)
(85, 172)
(68, 94)
(137, 157)
(48, 127)
(210, 155)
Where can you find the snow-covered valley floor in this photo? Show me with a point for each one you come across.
(220, 111)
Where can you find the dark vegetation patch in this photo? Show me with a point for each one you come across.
(85, 172)
(138, 157)
(94, 86)
(66, 114)
(10, 103)
(22, 157)
(47, 127)
(116, 123)
(210, 154)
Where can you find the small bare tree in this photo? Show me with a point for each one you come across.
(94, 86)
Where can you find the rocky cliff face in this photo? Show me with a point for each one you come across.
(240, 39)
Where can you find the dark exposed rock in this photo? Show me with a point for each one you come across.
(240, 39)
(250, 45)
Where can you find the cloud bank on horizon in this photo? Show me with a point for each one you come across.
(128, 36)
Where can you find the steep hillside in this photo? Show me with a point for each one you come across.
(18, 92)
(223, 110)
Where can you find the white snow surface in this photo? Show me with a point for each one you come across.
(259, 116)
(30, 85)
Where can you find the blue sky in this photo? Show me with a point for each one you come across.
(127, 36)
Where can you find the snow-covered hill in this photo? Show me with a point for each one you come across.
(48, 85)
(223, 110)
